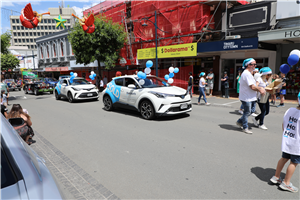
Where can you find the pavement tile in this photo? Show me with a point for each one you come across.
(107, 194)
(113, 197)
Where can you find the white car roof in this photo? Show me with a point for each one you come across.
(132, 76)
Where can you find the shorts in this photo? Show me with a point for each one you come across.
(210, 86)
(283, 92)
(294, 158)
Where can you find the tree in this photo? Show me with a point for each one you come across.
(5, 42)
(103, 45)
(9, 61)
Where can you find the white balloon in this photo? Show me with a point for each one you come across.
(147, 70)
(295, 51)
(170, 80)
(75, 74)
(92, 72)
(142, 82)
(171, 69)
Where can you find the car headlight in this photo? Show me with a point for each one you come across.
(76, 89)
(39, 85)
(162, 95)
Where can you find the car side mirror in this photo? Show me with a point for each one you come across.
(64, 84)
(131, 86)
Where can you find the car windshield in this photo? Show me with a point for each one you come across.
(51, 79)
(152, 82)
(79, 82)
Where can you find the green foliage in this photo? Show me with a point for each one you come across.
(5, 39)
(9, 61)
(103, 45)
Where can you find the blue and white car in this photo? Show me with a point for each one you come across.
(79, 89)
(154, 98)
(51, 81)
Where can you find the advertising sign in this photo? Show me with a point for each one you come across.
(29, 74)
(172, 51)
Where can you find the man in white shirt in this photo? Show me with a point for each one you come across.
(247, 95)
(105, 81)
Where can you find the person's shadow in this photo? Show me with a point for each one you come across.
(265, 174)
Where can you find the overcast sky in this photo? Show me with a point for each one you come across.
(40, 6)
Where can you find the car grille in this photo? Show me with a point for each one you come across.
(88, 89)
(177, 109)
(84, 95)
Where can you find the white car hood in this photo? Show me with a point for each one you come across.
(169, 90)
(88, 86)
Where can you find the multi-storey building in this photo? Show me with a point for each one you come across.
(22, 36)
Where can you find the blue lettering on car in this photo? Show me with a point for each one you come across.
(114, 91)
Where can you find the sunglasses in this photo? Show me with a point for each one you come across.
(253, 64)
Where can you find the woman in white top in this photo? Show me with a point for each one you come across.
(263, 79)
(202, 84)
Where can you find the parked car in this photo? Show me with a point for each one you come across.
(79, 89)
(51, 81)
(12, 85)
(63, 76)
(24, 174)
(37, 86)
(153, 98)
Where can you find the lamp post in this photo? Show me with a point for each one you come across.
(156, 27)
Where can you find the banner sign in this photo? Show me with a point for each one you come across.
(29, 74)
(56, 69)
(227, 45)
(172, 51)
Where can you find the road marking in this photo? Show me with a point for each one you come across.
(230, 102)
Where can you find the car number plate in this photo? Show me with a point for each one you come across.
(183, 106)
(89, 95)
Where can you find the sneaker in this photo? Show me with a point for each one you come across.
(254, 115)
(223, 96)
(255, 122)
(247, 131)
(210, 94)
(280, 105)
(263, 127)
(241, 112)
(289, 187)
(239, 124)
(276, 180)
(207, 104)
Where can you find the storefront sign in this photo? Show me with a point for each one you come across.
(173, 51)
(227, 45)
(293, 33)
(56, 69)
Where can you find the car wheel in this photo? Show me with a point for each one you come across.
(70, 98)
(57, 97)
(147, 110)
(25, 90)
(107, 103)
(36, 92)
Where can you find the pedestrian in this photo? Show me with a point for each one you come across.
(3, 98)
(224, 83)
(104, 81)
(264, 79)
(290, 148)
(202, 84)
(190, 84)
(4, 110)
(282, 90)
(98, 83)
(3, 86)
(273, 96)
(248, 89)
(238, 78)
(101, 85)
(210, 81)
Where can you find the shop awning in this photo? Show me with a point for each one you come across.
(280, 36)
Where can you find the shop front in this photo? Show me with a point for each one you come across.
(231, 54)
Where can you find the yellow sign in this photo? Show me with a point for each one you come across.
(173, 51)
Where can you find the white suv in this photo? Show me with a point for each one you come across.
(79, 89)
(154, 98)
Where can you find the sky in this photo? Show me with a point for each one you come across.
(40, 6)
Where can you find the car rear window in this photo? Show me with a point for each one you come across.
(7, 176)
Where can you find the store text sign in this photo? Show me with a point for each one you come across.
(173, 51)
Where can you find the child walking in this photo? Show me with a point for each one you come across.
(290, 148)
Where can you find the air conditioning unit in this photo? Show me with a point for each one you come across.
(232, 37)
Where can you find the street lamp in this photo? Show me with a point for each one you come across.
(156, 27)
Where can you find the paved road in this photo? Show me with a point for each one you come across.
(201, 155)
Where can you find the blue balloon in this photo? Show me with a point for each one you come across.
(71, 73)
(144, 75)
(71, 79)
(176, 70)
(284, 68)
(293, 59)
(167, 77)
(171, 75)
(90, 76)
(149, 63)
(140, 74)
(94, 75)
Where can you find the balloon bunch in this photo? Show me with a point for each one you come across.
(169, 77)
(93, 75)
(73, 75)
(293, 59)
(143, 75)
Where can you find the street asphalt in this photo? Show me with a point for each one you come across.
(97, 154)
